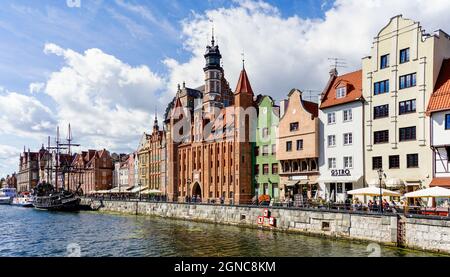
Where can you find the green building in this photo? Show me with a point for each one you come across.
(266, 165)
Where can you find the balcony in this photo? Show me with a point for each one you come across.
(301, 166)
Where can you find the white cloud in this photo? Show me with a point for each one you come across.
(286, 52)
(36, 87)
(9, 157)
(24, 115)
(108, 102)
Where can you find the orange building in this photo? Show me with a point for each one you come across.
(207, 161)
(298, 146)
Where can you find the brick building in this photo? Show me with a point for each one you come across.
(28, 176)
(151, 157)
(93, 170)
(206, 160)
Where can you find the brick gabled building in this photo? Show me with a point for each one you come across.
(206, 160)
(28, 175)
(93, 170)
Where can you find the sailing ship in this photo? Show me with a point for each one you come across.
(52, 197)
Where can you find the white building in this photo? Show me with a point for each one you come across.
(341, 113)
(398, 79)
(439, 112)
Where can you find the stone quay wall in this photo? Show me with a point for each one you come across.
(366, 227)
(429, 234)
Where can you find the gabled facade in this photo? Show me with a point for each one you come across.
(267, 166)
(210, 166)
(28, 175)
(298, 147)
(398, 80)
(341, 116)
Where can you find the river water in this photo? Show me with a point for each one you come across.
(30, 233)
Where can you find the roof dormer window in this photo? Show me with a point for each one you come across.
(341, 92)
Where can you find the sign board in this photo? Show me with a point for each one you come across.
(341, 172)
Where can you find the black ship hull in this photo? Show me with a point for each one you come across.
(70, 204)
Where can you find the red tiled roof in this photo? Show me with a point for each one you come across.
(311, 107)
(440, 99)
(244, 84)
(440, 182)
(353, 81)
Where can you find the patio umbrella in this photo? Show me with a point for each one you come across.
(373, 191)
(434, 192)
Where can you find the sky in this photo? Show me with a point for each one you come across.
(106, 66)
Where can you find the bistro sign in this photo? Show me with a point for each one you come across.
(340, 172)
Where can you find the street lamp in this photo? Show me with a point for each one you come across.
(380, 177)
(140, 184)
(188, 189)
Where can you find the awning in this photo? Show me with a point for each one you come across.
(303, 182)
(394, 183)
(412, 183)
(434, 192)
(138, 189)
(291, 183)
(375, 182)
(340, 179)
(151, 191)
(440, 182)
(373, 191)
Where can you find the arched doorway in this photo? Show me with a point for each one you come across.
(197, 193)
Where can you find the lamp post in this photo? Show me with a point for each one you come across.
(140, 184)
(188, 189)
(380, 177)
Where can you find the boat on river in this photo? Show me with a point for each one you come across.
(47, 198)
(23, 200)
(7, 195)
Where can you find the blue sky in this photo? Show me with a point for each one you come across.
(106, 65)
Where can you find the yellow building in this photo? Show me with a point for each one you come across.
(398, 79)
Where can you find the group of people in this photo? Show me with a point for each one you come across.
(373, 205)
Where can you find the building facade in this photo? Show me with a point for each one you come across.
(398, 80)
(210, 154)
(341, 113)
(28, 175)
(92, 171)
(298, 147)
(151, 156)
(267, 166)
(439, 112)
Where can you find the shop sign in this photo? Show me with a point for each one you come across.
(340, 172)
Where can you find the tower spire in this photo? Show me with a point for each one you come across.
(213, 41)
(243, 60)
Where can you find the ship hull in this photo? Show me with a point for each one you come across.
(65, 205)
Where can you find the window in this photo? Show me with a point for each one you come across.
(348, 116)
(394, 162)
(381, 136)
(265, 132)
(404, 55)
(331, 163)
(288, 146)
(447, 122)
(257, 169)
(377, 163)
(407, 81)
(408, 106)
(412, 160)
(294, 126)
(408, 133)
(331, 141)
(275, 168)
(299, 144)
(341, 92)
(380, 111)
(384, 62)
(265, 151)
(348, 139)
(265, 169)
(348, 162)
(274, 149)
(256, 151)
(331, 118)
(381, 87)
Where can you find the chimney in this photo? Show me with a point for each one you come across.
(283, 107)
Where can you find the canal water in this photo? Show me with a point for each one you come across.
(30, 233)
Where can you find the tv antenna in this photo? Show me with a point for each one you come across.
(312, 94)
(337, 63)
